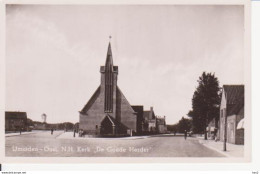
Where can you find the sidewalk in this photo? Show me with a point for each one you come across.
(70, 135)
(18, 133)
(233, 150)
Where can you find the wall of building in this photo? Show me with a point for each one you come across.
(240, 132)
(234, 135)
(231, 129)
(90, 122)
(125, 111)
(161, 124)
(140, 120)
(161, 129)
(240, 136)
(152, 125)
(15, 124)
(95, 114)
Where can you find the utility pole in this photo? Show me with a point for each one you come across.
(206, 131)
(225, 131)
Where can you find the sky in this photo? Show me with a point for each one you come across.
(54, 52)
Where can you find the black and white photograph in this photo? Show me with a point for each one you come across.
(126, 80)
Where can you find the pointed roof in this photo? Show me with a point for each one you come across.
(91, 101)
(233, 93)
(237, 107)
(109, 60)
(147, 115)
(111, 119)
(114, 122)
(235, 98)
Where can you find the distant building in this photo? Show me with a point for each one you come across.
(232, 107)
(212, 128)
(39, 125)
(161, 127)
(56, 126)
(15, 121)
(149, 121)
(140, 119)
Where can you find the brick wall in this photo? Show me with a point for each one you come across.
(125, 111)
(94, 115)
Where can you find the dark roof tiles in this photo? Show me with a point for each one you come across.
(91, 101)
(235, 98)
(233, 93)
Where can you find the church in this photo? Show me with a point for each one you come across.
(108, 112)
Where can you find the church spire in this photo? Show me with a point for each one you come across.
(109, 60)
(109, 80)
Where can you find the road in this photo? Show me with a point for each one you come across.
(43, 144)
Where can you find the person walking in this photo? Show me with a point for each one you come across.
(51, 130)
(185, 134)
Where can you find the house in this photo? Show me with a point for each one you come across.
(212, 128)
(232, 107)
(15, 121)
(149, 121)
(161, 127)
(39, 125)
(140, 119)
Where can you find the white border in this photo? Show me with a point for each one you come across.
(180, 162)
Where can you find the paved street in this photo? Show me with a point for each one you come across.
(43, 144)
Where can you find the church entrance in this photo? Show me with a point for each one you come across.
(108, 126)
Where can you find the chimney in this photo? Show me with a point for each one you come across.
(151, 113)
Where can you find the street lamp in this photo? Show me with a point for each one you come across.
(225, 131)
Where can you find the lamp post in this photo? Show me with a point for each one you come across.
(206, 126)
(225, 131)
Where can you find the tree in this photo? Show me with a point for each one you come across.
(184, 124)
(205, 102)
(29, 122)
(173, 128)
(181, 126)
(68, 125)
(197, 124)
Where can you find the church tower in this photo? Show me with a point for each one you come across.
(109, 74)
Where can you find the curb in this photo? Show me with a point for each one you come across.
(215, 149)
(119, 138)
(58, 135)
(20, 135)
